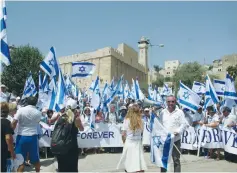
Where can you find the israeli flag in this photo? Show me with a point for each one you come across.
(137, 91)
(45, 84)
(188, 98)
(95, 100)
(29, 88)
(4, 53)
(52, 95)
(61, 91)
(219, 86)
(198, 88)
(210, 96)
(111, 97)
(50, 64)
(82, 69)
(161, 144)
(150, 92)
(126, 91)
(230, 91)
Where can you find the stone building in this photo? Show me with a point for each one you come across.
(170, 67)
(220, 65)
(111, 62)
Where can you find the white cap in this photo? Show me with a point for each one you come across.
(123, 108)
(3, 86)
(61, 106)
(72, 103)
(146, 109)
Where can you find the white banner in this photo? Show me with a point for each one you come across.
(103, 135)
(109, 135)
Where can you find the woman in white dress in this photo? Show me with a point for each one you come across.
(132, 159)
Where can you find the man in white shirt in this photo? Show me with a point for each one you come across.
(4, 95)
(173, 119)
(27, 118)
(112, 116)
(229, 120)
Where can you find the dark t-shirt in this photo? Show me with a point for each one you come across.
(5, 130)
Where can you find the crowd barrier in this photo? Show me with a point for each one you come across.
(109, 135)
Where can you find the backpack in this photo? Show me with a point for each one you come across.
(61, 141)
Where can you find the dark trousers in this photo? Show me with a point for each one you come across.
(230, 157)
(3, 164)
(176, 158)
(69, 161)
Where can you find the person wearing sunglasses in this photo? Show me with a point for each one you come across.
(173, 120)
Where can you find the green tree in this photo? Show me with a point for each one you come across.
(232, 70)
(157, 68)
(188, 73)
(24, 59)
(159, 82)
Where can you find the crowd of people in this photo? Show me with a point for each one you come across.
(20, 129)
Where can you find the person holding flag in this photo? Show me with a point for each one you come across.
(173, 120)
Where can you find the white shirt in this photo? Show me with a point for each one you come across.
(28, 118)
(112, 117)
(3, 97)
(197, 117)
(229, 120)
(173, 122)
(137, 135)
(212, 119)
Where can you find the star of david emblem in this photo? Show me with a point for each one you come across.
(82, 69)
(97, 91)
(32, 86)
(51, 62)
(28, 85)
(157, 141)
(186, 95)
(223, 88)
(199, 88)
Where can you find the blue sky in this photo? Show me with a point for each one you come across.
(190, 31)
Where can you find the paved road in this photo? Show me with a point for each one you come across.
(107, 163)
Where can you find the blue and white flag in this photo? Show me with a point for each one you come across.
(61, 91)
(219, 86)
(211, 97)
(230, 91)
(188, 98)
(137, 91)
(127, 91)
(5, 53)
(114, 93)
(50, 64)
(29, 88)
(161, 144)
(150, 92)
(52, 95)
(82, 69)
(45, 84)
(95, 100)
(198, 88)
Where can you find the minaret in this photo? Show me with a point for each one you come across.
(143, 52)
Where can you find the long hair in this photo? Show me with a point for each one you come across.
(69, 116)
(135, 119)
